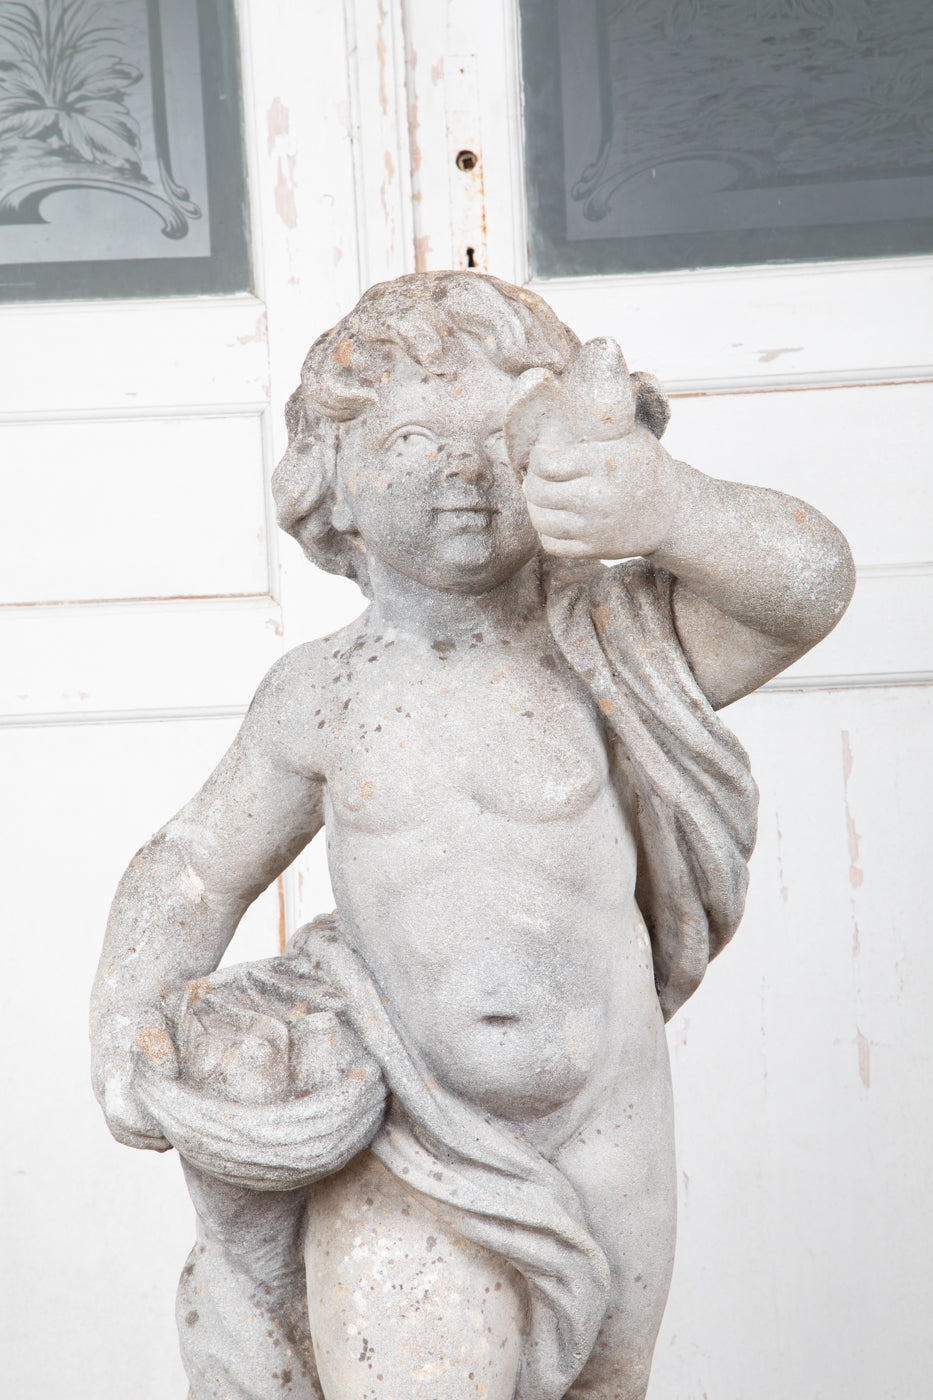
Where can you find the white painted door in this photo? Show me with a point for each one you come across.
(145, 594)
(805, 1223)
(143, 598)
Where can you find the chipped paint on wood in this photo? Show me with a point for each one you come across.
(422, 252)
(285, 205)
(413, 124)
(381, 53)
(856, 874)
(277, 122)
(467, 189)
(259, 335)
(767, 356)
(785, 892)
(864, 1058)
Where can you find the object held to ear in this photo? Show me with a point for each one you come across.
(597, 400)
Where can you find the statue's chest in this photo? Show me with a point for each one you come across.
(513, 736)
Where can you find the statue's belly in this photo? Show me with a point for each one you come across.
(511, 954)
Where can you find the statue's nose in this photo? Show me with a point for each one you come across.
(469, 467)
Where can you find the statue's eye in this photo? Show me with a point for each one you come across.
(412, 437)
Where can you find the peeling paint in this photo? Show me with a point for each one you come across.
(413, 123)
(381, 56)
(276, 122)
(785, 892)
(864, 1058)
(437, 71)
(422, 252)
(285, 205)
(258, 336)
(767, 356)
(856, 874)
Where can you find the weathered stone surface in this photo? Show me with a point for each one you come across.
(431, 1147)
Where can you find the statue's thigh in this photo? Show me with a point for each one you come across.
(401, 1307)
(623, 1167)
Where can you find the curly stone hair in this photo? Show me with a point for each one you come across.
(417, 315)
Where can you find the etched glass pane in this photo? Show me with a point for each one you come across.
(691, 133)
(121, 167)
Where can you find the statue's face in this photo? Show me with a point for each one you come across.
(427, 481)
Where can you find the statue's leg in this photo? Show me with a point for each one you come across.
(622, 1165)
(401, 1307)
(242, 1318)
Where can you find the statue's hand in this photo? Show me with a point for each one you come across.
(114, 1073)
(599, 485)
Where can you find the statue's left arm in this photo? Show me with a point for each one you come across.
(760, 576)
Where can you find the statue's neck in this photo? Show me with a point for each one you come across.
(502, 612)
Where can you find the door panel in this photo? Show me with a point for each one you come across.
(143, 599)
(798, 1268)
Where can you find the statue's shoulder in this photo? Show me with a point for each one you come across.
(303, 677)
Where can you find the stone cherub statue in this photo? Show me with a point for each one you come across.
(431, 1146)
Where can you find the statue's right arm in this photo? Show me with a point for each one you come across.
(179, 903)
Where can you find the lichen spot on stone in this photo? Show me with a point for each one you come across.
(606, 706)
(155, 1043)
(198, 989)
(343, 355)
(367, 790)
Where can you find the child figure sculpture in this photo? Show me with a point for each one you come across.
(431, 1148)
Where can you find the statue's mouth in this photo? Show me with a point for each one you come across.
(468, 508)
(471, 517)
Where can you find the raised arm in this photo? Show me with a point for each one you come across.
(761, 576)
(184, 893)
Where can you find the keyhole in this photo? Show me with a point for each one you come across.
(471, 257)
(467, 160)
